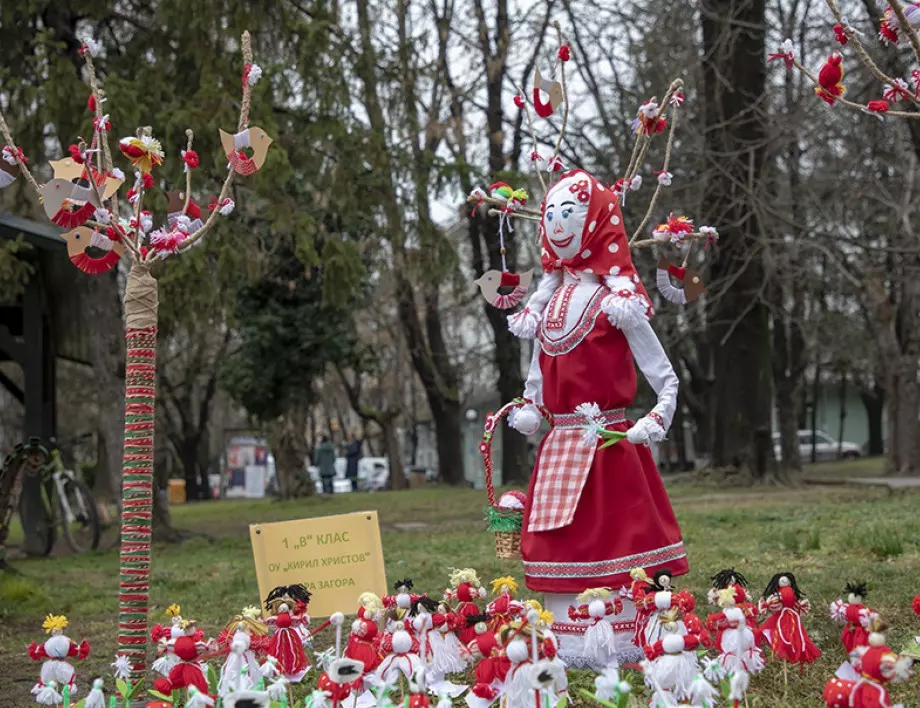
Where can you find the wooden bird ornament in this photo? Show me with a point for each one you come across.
(235, 147)
(68, 204)
(693, 284)
(72, 171)
(83, 237)
(504, 290)
(553, 89)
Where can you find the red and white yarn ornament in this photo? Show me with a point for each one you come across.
(91, 47)
(251, 74)
(224, 207)
(190, 158)
(664, 178)
(165, 242)
(13, 156)
(897, 91)
(513, 500)
(102, 123)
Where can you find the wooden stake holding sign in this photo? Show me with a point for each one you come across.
(336, 557)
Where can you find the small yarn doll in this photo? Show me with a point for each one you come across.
(420, 616)
(518, 689)
(287, 605)
(362, 640)
(597, 604)
(639, 586)
(916, 605)
(340, 676)
(449, 656)
(400, 658)
(783, 630)
(467, 590)
(736, 634)
(504, 607)
(874, 667)
(660, 596)
(491, 663)
(187, 672)
(730, 578)
(399, 604)
(56, 672)
(166, 636)
(671, 664)
(243, 636)
(854, 616)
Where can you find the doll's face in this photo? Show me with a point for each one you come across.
(665, 582)
(784, 582)
(565, 214)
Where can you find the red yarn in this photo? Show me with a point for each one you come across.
(878, 106)
(564, 53)
(91, 103)
(147, 180)
(74, 151)
(519, 101)
(916, 605)
(191, 158)
(840, 35)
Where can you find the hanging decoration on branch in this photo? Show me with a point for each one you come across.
(899, 20)
(83, 198)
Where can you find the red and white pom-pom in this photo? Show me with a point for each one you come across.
(664, 178)
(102, 123)
(677, 99)
(512, 500)
(146, 180)
(635, 183)
(102, 215)
(555, 164)
(838, 611)
(132, 196)
(190, 158)
(118, 174)
(251, 74)
(75, 154)
(91, 47)
(785, 53)
(898, 90)
(224, 207)
(711, 234)
(167, 242)
(13, 156)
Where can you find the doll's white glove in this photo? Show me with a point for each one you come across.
(525, 420)
(645, 430)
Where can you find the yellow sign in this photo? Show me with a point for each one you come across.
(336, 557)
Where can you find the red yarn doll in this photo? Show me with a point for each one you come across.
(467, 590)
(661, 596)
(783, 630)
(504, 607)
(186, 673)
(854, 615)
(491, 665)
(874, 667)
(916, 605)
(362, 640)
(286, 642)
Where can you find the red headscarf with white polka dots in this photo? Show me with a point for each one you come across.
(604, 244)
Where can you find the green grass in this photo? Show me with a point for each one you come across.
(825, 535)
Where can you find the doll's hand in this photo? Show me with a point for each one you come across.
(646, 430)
(526, 420)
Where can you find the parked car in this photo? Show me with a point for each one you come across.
(826, 448)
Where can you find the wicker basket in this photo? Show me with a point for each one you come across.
(504, 523)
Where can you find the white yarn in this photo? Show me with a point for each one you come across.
(95, 699)
(600, 644)
(524, 323)
(242, 140)
(667, 289)
(740, 652)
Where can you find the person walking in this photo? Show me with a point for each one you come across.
(325, 460)
(352, 456)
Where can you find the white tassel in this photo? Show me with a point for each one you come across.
(444, 702)
(96, 698)
(47, 695)
(702, 693)
(269, 668)
(523, 324)
(600, 644)
(278, 689)
(624, 313)
(197, 699)
(739, 686)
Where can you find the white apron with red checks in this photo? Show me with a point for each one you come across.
(563, 468)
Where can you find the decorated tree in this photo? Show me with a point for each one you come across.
(102, 228)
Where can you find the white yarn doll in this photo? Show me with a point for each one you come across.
(56, 672)
(671, 665)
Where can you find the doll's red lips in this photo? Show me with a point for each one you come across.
(564, 242)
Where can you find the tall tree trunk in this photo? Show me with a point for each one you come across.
(394, 451)
(107, 346)
(289, 447)
(138, 509)
(874, 402)
(734, 85)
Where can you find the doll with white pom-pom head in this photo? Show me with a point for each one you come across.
(467, 590)
(854, 615)
(736, 635)
(449, 656)
(56, 672)
(874, 667)
(400, 657)
(240, 638)
(671, 665)
(287, 605)
(362, 639)
(592, 513)
(596, 606)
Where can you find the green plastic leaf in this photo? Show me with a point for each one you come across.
(612, 437)
(134, 689)
(157, 694)
(122, 688)
(726, 688)
(212, 679)
(563, 702)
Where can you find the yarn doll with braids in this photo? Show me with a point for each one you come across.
(854, 616)
(287, 607)
(783, 630)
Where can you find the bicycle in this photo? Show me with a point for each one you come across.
(66, 503)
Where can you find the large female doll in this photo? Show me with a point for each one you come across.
(593, 514)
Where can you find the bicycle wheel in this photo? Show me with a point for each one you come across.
(36, 518)
(83, 530)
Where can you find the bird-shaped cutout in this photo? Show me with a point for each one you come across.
(693, 284)
(82, 238)
(67, 204)
(553, 89)
(235, 147)
(72, 171)
(504, 290)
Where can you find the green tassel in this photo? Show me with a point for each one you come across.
(112, 702)
(504, 521)
(66, 694)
